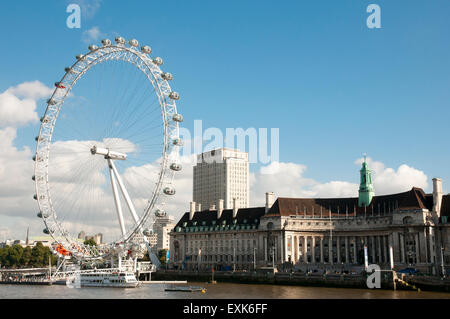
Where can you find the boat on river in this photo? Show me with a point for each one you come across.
(99, 278)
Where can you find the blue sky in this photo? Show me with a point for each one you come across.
(334, 87)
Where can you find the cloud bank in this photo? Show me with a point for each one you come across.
(18, 209)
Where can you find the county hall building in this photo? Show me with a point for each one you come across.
(319, 232)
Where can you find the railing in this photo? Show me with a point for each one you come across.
(71, 273)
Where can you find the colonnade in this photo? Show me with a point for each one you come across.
(336, 249)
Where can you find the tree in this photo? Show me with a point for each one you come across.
(19, 257)
(15, 255)
(48, 254)
(37, 255)
(26, 257)
(90, 242)
(4, 256)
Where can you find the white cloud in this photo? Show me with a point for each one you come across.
(91, 35)
(34, 90)
(336, 189)
(18, 103)
(91, 185)
(178, 204)
(388, 180)
(16, 186)
(16, 112)
(17, 207)
(287, 180)
(88, 7)
(5, 233)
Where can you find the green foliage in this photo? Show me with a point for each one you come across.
(18, 257)
(26, 257)
(90, 242)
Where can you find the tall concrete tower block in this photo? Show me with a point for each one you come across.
(222, 174)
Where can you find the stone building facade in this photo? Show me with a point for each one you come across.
(320, 232)
(162, 228)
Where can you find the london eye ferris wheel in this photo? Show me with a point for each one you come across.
(107, 149)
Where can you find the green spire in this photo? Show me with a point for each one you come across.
(365, 188)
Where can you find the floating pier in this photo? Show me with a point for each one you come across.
(164, 282)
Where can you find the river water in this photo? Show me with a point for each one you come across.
(218, 291)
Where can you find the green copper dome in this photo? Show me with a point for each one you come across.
(365, 187)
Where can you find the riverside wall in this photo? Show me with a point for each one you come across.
(293, 279)
(426, 283)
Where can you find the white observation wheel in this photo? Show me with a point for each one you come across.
(109, 163)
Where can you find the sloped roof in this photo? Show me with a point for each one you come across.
(384, 204)
(412, 199)
(249, 216)
(445, 206)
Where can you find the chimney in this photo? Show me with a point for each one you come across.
(235, 207)
(191, 210)
(437, 195)
(212, 207)
(219, 208)
(199, 207)
(269, 200)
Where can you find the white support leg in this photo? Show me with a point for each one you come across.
(116, 197)
(125, 193)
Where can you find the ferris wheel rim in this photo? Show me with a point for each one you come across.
(161, 88)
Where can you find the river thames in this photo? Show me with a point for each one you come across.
(218, 291)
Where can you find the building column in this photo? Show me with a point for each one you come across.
(346, 251)
(395, 247)
(338, 249)
(416, 242)
(402, 248)
(380, 257)
(275, 252)
(321, 250)
(355, 256)
(374, 251)
(265, 248)
(385, 259)
(313, 249)
(305, 249)
(330, 250)
(292, 250)
(367, 243)
(390, 244)
(431, 243)
(423, 245)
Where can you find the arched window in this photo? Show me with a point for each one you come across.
(407, 220)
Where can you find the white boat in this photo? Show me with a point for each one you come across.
(99, 278)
